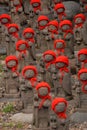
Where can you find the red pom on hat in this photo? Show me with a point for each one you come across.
(55, 102)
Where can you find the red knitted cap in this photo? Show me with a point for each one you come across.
(58, 6)
(35, 1)
(84, 70)
(82, 51)
(49, 52)
(29, 68)
(20, 42)
(13, 25)
(63, 59)
(5, 16)
(43, 17)
(59, 40)
(54, 23)
(55, 102)
(11, 58)
(82, 16)
(43, 84)
(28, 30)
(65, 22)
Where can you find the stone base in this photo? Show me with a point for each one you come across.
(12, 95)
(41, 128)
(79, 117)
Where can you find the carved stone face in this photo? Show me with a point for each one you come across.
(49, 58)
(28, 35)
(16, 2)
(22, 47)
(12, 29)
(82, 57)
(52, 28)
(31, 12)
(60, 10)
(43, 22)
(43, 91)
(60, 64)
(83, 76)
(4, 20)
(60, 107)
(29, 73)
(11, 63)
(85, 87)
(59, 45)
(78, 20)
(65, 27)
(35, 4)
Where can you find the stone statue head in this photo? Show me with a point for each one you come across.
(60, 107)
(43, 91)
(78, 20)
(59, 45)
(60, 64)
(12, 30)
(52, 28)
(43, 22)
(82, 57)
(66, 27)
(11, 63)
(22, 47)
(4, 20)
(49, 58)
(16, 2)
(60, 10)
(28, 35)
(83, 76)
(29, 73)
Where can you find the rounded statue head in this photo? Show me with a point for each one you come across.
(43, 22)
(28, 35)
(83, 76)
(60, 107)
(29, 73)
(82, 57)
(60, 64)
(49, 58)
(16, 2)
(4, 20)
(43, 91)
(12, 30)
(22, 47)
(11, 63)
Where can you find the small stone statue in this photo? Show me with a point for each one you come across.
(49, 58)
(79, 20)
(63, 88)
(65, 27)
(60, 11)
(11, 84)
(82, 58)
(59, 46)
(28, 35)
(82, 76)
(18, 5)
(59, 106)
(41, 106)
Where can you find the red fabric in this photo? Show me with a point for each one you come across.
(15, 34)
(33, 79)
(49, 52)
(7, 17)
(60, 49)
(84, 82)
(38, 7)
(44, 98)
(65, 22)
(18, 6)
(82, 51)
(83, 17)
(41, 18)
(18, 44)
(11, 58)
(59, 6)
(54, 23)
(68, 31)
(64, 69)
(55, 102)
(29, 30)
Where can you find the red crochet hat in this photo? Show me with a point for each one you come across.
(63, 59)
(82, 51)
(55, 102)
(35, 1)
(5, 16)
(43, 84)
(41, 18)
(29, 68)
(28, 30)
(49, 52)
(65, 22)
(21, 42)
(82, 16)
(58, 6)
(84, 70)
(54, 23)
(13, 25)
(59, 40)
